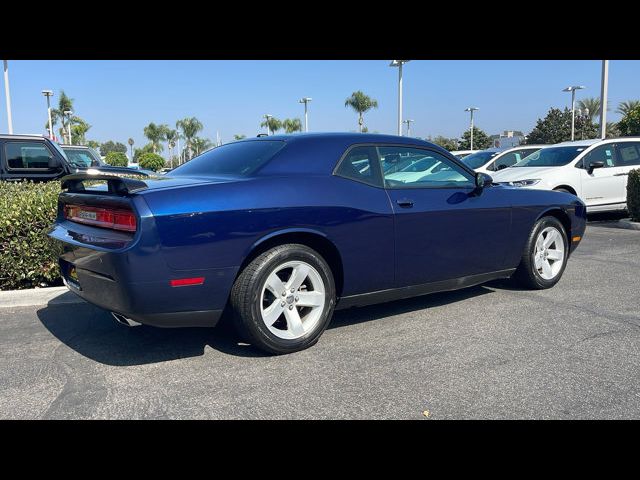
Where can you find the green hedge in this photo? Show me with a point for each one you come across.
(151, 161)
(28, 257)
(116, 159)
(633, 195)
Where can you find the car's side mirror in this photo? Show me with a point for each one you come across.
(54, 163)
(594, 165)
(483, 180)
(503, 166)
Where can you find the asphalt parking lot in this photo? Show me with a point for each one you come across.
(493, 351)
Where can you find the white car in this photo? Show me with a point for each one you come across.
(594, 170)
(462, 153)
(495, 159)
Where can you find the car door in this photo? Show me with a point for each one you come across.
(444, 227)
(602, 187)
(28, 160)
(628, 155)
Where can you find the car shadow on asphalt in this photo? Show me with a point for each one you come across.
(93, 333)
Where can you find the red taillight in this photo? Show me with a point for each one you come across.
(184, 282)
(115, 219)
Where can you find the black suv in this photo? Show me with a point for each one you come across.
(34, 157)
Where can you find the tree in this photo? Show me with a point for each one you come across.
(291, 125)
(361, 104)
(151, 161)
(78, 132)
(171, 136)
(480, 140)
(155, 134)
(131, 142)
(190, 127)
(273, 124)
(93, 144)
(556, 128)
(116, 159)
(239, 136)
(630, 123)
(592, 104)
(612, 130)
(201, 144)
(626, 107)
(138, 152)
(65, 104)
(110, 146)
(447, 143)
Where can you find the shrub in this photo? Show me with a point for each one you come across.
(630, 123)
(151, 161)
(117, 159)
(28, 257)
(633, 195)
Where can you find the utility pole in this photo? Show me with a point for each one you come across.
(7, 95)
(604, 87)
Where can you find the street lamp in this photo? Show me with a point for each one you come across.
(267, 117)
(8, 97)
(68, 114)
(49, 94)
(305, 100)
(604, 87)
(408, 122)
(583, 116)
(573, 89)
(471, 110)
(399, 63)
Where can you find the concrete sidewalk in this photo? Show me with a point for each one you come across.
(38, 296)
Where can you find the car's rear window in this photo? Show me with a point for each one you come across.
(238, 159)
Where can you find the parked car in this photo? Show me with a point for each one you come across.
(594, 170)
(462, 153)
(286, 228)
(36, 158)
(494, 159)
(83, 155)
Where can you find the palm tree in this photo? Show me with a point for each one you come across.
(292, 125)
(78, 132)
(131, 142)
(190, 127)
(272, 124)
(361, 103)
(626, 107)
(64, 104)
(171, 136)
(155, 134)
(592, 104)
(201, 144)
(239, 136)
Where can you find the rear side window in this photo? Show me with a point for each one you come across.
(24, 155)
(359, 165)
(629, 154)
(238, 159)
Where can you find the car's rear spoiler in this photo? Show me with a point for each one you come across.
(116, 185)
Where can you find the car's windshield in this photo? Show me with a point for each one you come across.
(551, 156)
(476, 160)
(82, 158)
(237, 158)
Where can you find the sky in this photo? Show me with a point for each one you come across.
(119, 98)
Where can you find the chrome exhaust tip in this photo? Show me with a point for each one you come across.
(124, 320)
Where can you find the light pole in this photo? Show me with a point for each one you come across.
(8, 97)
(573, 89)
(68, 114)
(399, 63)
(604, 87)
(471, 110)
(267, 117)
(306, 101)
(408, 122)
(49, 94)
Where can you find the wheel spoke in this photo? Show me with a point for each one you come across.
(539, 243)
(298, 275)
(537, 262)
(294, 323)
(275, 285)
(310, 299)
(272, 312)
(546, 269)
(555, 254)
(552, 236)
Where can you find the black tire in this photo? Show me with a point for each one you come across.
(526, 274)
(247, 291)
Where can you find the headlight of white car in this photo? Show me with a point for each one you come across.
(525, 183)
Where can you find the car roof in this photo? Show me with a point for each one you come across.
(347, 137)
(74, 146)
(24, 136)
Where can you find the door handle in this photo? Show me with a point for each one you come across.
(620, 174)
(405, 203)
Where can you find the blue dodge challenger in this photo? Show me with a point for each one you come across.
(281, 230)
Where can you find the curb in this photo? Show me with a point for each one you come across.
(628, 224)
(38, 296)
